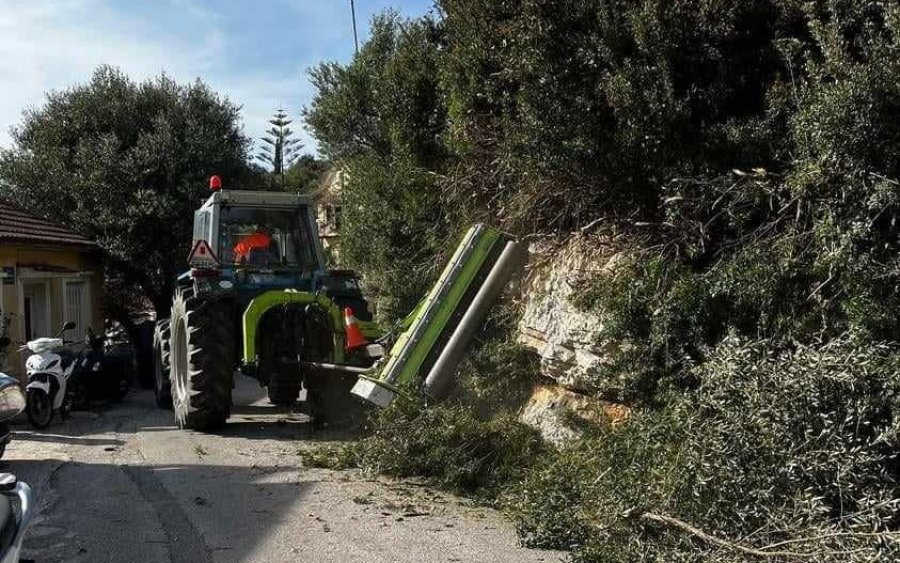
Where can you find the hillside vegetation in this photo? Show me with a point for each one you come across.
(747, 153)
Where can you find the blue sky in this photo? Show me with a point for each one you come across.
(256, 53)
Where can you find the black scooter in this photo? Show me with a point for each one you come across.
(95, 377)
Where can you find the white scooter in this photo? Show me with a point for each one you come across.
(48, 369)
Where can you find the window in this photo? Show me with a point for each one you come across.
(77, 307)
(266, 238)
(201, 226)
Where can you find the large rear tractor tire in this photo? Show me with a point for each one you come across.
(162, 387)
(202, 360)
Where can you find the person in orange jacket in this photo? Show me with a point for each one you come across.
(260, 240)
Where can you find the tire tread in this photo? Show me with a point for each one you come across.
(210, 343)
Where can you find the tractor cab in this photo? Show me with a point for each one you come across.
(260, 240)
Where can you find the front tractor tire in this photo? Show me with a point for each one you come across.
(201, 359)
(162, 388)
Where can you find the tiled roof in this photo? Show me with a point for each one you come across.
(21, 227)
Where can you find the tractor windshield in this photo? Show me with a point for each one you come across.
(265, 238)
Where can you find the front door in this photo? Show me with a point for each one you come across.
(37, 310)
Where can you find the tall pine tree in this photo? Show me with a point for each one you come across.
(280, 149)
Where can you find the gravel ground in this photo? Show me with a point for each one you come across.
(123, 484)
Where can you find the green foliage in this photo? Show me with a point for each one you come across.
(392, 231)
(470, 444)
(306, 174)
(448, 445)
(380, 118)
(386, 103)
(748, 152)
(591, 105)
(794, 259)
(771, 447)
(544, 116)
(498, 375)
(279, 149)
(125, 164)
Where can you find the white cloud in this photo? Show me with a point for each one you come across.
(52, 44)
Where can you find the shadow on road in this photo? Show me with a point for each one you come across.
(151, 513)
(286, 430)
(251, 418)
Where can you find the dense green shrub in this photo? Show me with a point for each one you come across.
(748, 152)
(771, 447)
(381, 119)
(584, 106)
(498, 374)
(541, 116)
(393, 231)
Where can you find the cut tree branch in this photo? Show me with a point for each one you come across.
(698, 533)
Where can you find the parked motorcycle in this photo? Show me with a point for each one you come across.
(14, 523)
(61, 378)
(49, 368)
(101, 372)
(12, 403)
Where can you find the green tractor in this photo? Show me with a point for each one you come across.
(258, 300)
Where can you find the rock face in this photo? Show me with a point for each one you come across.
(566, 338)
(555, 412)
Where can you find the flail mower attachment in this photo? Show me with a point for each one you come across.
(438, 332)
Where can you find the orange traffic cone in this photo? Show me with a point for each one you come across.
(355, 338)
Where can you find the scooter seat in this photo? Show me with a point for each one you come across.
(7, 525)
(41, 345)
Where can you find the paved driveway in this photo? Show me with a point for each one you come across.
(124, 485)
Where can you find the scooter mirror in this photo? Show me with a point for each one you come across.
(69, 325)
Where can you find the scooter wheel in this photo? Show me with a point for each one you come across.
(38, 408)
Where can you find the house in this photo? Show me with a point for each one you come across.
(50, 276)
(329, 210)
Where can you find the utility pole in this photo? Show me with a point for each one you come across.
(355, 38)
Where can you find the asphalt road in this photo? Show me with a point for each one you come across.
(122, 484)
